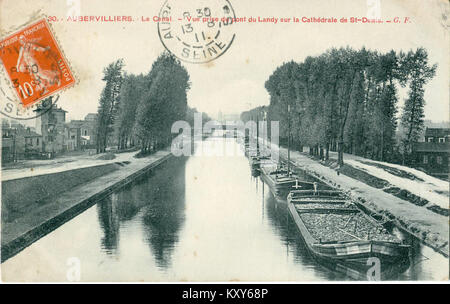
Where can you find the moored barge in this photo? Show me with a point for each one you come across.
(280, 182)
(336, 230)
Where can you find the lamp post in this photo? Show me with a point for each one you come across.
(14, 145)
(289, 140)
(257, 134)
(300, 113)
(264, 129)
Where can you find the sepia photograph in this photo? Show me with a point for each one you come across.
(224, 141)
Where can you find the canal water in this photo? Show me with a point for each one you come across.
(198, 218)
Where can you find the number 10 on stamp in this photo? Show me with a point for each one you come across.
(35, 63)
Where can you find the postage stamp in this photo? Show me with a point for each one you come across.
(35, 67)
(196, 31)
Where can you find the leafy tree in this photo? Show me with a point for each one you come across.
(164, 101)
(130, 95)
(417, 72)
(346, 100)
(109, 103)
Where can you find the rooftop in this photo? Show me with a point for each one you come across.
(437, 132)
(21, 132)
(91, 116)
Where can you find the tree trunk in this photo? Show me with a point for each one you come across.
(341, 152)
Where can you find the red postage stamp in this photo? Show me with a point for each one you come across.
(35, 63)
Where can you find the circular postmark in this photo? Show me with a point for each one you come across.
(196, 31)
(12, 108)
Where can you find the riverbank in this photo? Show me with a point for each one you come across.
(28, 168)
(55, 208)
(423, 220)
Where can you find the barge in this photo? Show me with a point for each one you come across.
(336, 230)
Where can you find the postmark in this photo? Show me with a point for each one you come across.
(197, 31)
(33, 70)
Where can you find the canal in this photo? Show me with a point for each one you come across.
(198, 218)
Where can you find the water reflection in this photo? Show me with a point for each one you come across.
(109, 222)
(160, 199)
(164, 217)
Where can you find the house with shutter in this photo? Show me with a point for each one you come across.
(433, 154)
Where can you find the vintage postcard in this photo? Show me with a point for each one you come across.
(224, 141)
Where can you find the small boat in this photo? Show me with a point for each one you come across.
(249, 150)
(255, 172)
(257, 160)
(336, 230)
(280, 182)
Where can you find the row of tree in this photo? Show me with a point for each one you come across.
(139, 110)
(347, 100)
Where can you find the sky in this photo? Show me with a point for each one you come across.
(235, 81)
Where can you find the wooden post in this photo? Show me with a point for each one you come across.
(289, 141)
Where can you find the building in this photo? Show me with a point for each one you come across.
(73, 136)
(51, 136)
(433, 154)
(51, 125)
(91, 117)
(20, 143)
(87, 130)
(80, 134)
(437, 135)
